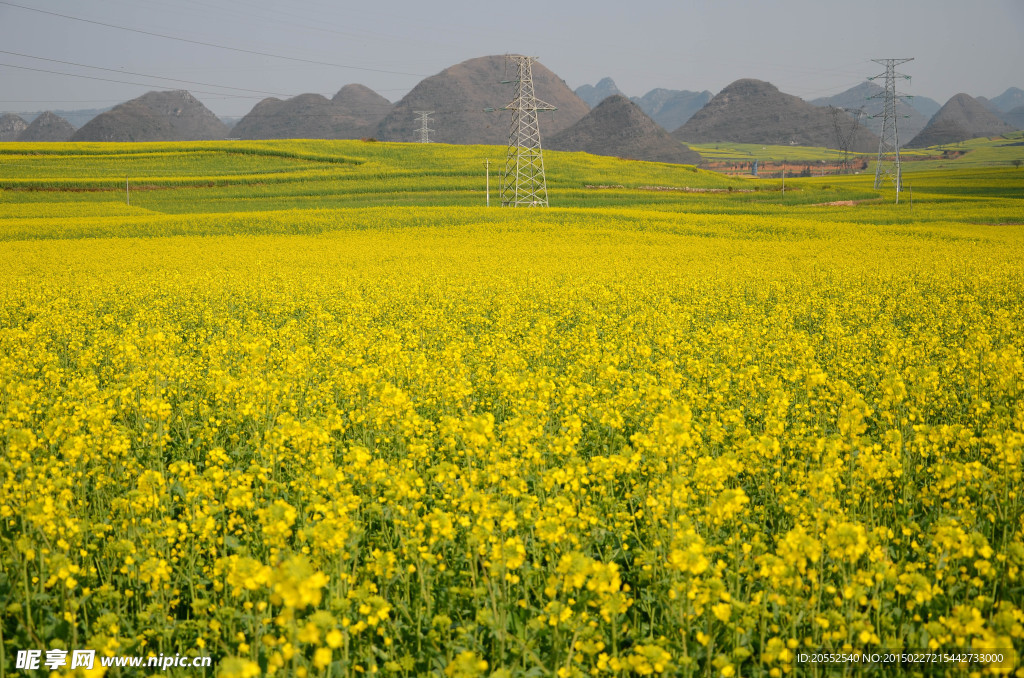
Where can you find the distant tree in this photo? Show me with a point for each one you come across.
(1016, 163)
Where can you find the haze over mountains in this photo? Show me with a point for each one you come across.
(668, 107)
(595, 94)
(1005, 102)
(1014, 118)
(1008, 107)
(671, 108)
(75, 118)
(596, 118)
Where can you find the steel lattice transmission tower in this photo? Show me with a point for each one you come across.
(889, 143)
(523, 183)
(424, 121)
(845, 131)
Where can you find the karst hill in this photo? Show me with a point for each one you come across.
(155, 116)
(756, 112)
(460, 94)
(353, 113)
(962, 117)
(11, 126)
(618, 127)
(48, 126)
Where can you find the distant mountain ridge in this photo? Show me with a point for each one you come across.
(618, 127)
(1014, 118)
(75, 117)
(671, 108)
(459, 95)
(595, 94)
(1008, 106)
(1012, 98)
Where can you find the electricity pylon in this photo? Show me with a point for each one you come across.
(424, 122)
(524, 183)
(889, 144)
(845, 135)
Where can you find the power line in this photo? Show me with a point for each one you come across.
(60, 101)
(209, 44)
(123, 82)
(144, 75)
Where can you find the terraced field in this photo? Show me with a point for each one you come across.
(960, 157)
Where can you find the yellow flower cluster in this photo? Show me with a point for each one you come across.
(502, 448)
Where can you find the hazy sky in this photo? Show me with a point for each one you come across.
(810, 48)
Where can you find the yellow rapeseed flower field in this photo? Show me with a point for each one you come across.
(618, 441)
